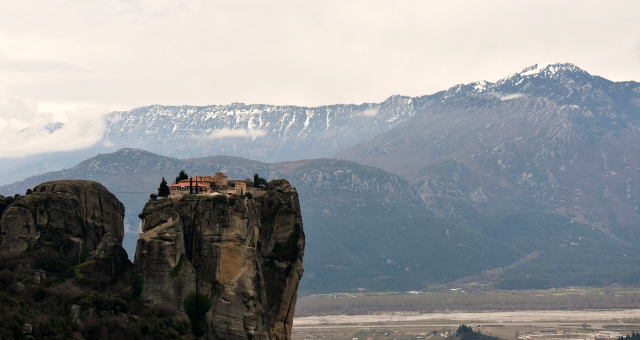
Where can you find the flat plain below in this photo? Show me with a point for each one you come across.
(513, 317)
(574, 313)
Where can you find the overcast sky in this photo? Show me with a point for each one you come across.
(70, 61)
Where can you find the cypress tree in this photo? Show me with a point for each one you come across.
(182, 175)
(163, 190)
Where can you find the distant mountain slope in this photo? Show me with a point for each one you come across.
(551, 137)
(262, 132)
(364, 227)
(367, 228)
(374, 233)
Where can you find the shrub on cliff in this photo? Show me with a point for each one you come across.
(220, 199)
(102, 302)
(53, 263)
(196, 305)
(137, 285)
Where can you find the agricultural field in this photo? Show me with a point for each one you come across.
(573, 313)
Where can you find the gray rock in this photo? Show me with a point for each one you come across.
(27, 329)
(70, 216)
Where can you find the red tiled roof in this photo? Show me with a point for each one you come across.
(186, 185)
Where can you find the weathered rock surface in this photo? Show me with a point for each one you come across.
(4, 202)
(105, 265)
(244, 255)
(71, 216)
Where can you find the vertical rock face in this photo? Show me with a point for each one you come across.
(4, 202)
(241, 256)
(71, 216)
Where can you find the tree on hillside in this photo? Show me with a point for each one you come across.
(258, 181)
(182, 175)
(632, 336)
(163, 190)
(463, 329)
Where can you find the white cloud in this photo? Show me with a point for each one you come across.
(155, 6)
(28, 129)
(370, 112)
(121, 54)
(40, 66)
(235, 133)
(508, 96)
(136, 53)
(132, 229)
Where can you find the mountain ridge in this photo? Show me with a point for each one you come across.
(551, 137)
(338, 199)
(273, 133)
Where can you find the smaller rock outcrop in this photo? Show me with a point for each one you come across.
(105, 265)
(70, 216)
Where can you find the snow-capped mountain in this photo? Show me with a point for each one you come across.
(279, 133)
(552, 137)
(261, 132)
(563, 83)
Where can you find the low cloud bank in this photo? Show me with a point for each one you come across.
(508, 96)
(237, 133)
(370, 112)
(29, 129)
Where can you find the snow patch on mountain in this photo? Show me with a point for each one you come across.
(262, 132)
(537, 68)
(481, 86)
(544, 70)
